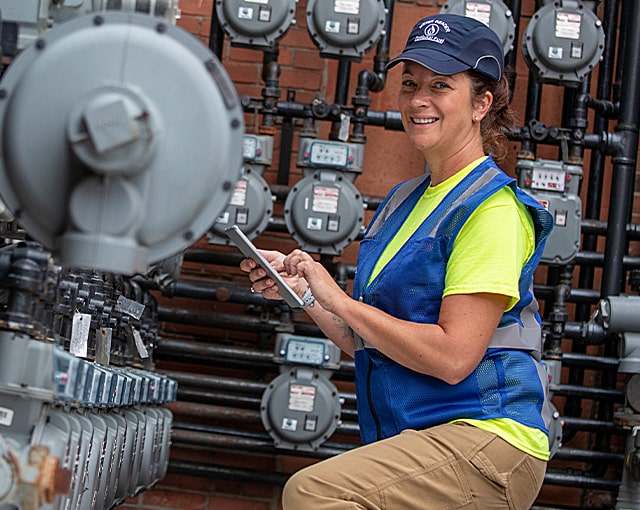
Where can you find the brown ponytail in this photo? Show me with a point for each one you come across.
(499, 118)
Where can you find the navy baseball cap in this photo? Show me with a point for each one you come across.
(451, 43)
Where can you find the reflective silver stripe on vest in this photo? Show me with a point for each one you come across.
(547, 410)
(485, 178)
(526, 337)
(403, 192)
(398, 197)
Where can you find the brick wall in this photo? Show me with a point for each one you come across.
(388, 159)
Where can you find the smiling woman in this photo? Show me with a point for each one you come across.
(443, 325)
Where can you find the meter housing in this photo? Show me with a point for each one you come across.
(563, 42)
(251, 203)
(345, 28)
(301, 408)
(556, 185)
(256, 23)
(493, 13)
(24, 20)
(324, 211)
(129, 170)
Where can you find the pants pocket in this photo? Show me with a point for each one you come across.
(524, 482)
(515, 477)
(442, 486)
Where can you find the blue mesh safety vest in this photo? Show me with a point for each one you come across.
(509, 382)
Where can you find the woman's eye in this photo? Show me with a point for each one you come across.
(441, 85)
(408, 83)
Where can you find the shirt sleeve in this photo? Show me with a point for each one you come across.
(492, 248)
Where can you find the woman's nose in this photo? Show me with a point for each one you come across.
(420, 97)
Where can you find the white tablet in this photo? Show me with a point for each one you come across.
(248, 249)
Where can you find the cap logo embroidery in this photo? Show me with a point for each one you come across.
(431, 30)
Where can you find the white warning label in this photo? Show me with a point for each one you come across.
(301, 398)
(325, 199)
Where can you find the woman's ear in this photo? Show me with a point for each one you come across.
(484, 104)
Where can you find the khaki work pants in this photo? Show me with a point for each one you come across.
(445, 467)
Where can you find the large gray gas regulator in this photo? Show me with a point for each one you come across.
(121, 139)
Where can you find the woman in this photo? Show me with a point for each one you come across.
(444, 329)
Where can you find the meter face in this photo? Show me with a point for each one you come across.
(551, 180)
(249, 147)
(329, 154)
(299, 351)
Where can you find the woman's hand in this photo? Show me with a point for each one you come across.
(324, 288)
(266, 286)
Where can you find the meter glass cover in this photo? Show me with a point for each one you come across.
(329, 154)
(551, 180)
(300, 351)
(249, 147)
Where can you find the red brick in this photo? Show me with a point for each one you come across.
(193, 24)
(308, 59)
(242, 73)
(308, 80)
(199, 7)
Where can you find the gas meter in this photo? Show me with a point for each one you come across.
(256, 23)
(556, 185)
(251, 203)
(111, 160)
(301, 408)
(563, 42)
(493, 13)
(345, 28)
(324, 211)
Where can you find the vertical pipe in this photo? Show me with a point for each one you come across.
(624, 150)
(286, 143)
(591, 209)
(532, 114)
(510, 58)
(342, 89)
(624, 155)
(596, 165)
(216, 35)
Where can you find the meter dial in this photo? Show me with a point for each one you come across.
(307, 352)
(327, 154)
(553, 180)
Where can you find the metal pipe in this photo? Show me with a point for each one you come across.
(286, 144)
(171, 349)
(218, 471)
(587, 425)
(624, 150)
(577, 455)
(602, 394)
(569, 479)
(625, 156)
(252, 445)
(342, 89)
(216, 34)
(510, 59)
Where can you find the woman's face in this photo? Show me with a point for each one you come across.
(437, 111)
